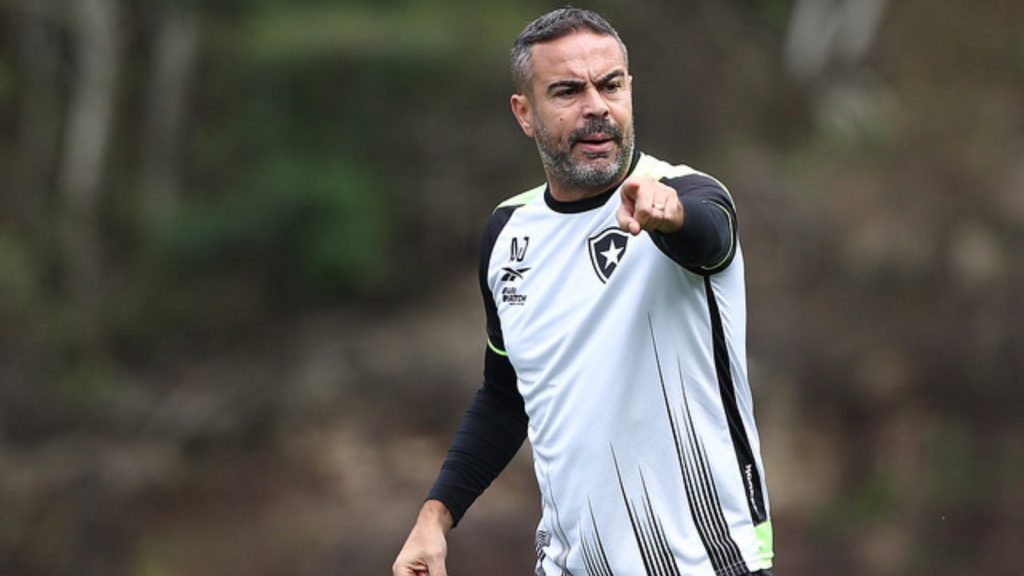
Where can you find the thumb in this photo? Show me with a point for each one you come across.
(435, 566)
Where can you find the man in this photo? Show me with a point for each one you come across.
(615, 341)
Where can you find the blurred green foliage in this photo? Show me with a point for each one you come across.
(316, 228)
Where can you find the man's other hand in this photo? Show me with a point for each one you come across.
(426, 548)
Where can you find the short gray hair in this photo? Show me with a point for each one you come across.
(552, 26)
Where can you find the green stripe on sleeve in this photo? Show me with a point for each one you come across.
(732, 239)
(765, 541)
(495, 349)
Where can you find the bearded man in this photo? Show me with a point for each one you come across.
(616, 327)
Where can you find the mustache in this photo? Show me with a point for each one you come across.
(596, 126)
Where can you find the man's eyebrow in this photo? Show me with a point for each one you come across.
(613, 75)
(603, 81)
(564, 84)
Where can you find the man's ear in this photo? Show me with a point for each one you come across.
(521, 110)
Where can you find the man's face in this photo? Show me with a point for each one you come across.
(580, 111)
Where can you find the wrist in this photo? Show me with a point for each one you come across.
(436, 513)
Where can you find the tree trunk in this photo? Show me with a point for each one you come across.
(89, 123)
(821, 31)
(174, 62)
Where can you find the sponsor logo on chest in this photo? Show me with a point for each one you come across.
(514, 271)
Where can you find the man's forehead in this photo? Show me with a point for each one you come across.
(581, 54)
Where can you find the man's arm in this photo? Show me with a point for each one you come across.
(492, 431)
(707, 242)
(691, 219)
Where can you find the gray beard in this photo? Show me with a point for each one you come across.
(573, 174)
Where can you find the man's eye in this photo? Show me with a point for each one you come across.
(612, 87)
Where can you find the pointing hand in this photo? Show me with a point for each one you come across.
(649, 205)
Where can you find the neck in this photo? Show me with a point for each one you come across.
(568, 193)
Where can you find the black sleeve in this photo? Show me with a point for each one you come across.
(707, 241)
(494, 426)
(492, 431)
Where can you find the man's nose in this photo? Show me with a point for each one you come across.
(594, 104)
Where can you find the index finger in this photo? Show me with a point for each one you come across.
(630, 188)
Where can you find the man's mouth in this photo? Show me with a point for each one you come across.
(596, 143)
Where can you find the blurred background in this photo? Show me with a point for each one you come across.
(238, 312)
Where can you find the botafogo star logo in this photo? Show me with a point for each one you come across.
(607, 249)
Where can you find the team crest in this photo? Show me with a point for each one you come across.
(606, 251)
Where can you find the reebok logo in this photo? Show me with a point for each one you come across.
(511, 274)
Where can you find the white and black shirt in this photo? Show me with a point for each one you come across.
(623, 360)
